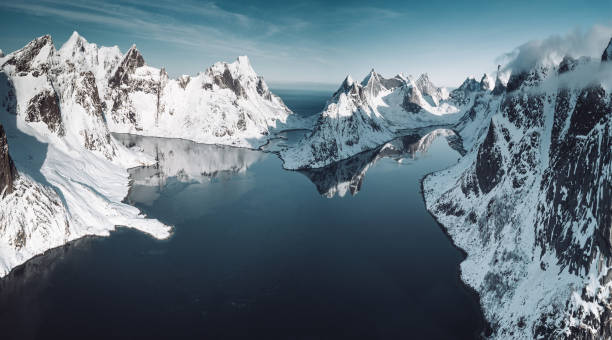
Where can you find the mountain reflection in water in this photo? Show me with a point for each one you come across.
(182, 163)
(347, 175)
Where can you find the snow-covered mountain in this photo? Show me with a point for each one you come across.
(70, 174)
(228, 103)
(59, 107)
(531, 202)
(362, 116)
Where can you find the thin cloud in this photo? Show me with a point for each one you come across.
(552, 49)
(161, 27)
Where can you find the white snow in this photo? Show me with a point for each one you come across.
(518, 283)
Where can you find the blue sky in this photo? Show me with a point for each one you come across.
(313, 41)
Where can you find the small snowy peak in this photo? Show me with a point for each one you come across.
(374, 83)
(240, 68)
(243, 66)
(35, 55)
(1, 54)
(470, 84)
(75, 42)
(607, 53)
(346, 84)
(348, 81)
(133, 59)
(432, 94)
(361, 116)
(371, 77)
(130, 62)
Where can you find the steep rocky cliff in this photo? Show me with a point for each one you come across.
(531, 202)
(8, 173)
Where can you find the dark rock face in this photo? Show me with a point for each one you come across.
(132, 60)
(9, 101)
(262, 89)
(184, 81)
(392, 83)
(22, 61)
(8, 172)
(567, 64)
(227, 81)
(516, 80)
(489, 169)
(411, 101)
(485, 84)
(344, 87)
(87, 95)
(44, 107)
(576, 185)
(524, 110)
(607, 53)
(499, 88)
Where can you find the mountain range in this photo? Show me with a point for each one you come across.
(530, 201)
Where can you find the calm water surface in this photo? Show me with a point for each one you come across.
(347, 252)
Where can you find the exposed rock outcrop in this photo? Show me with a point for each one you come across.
(8, 173)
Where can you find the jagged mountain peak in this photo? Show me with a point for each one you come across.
(76, 44)
(8, 172)
(243, 66)
(424, 77)
(528, 78)
(35, 54)
(607, 53)
(131, 61)
(486, 83)
(348, 81)
(240, 68)
(499, 87)
(346, 85)
(75, 37)
(134, 57)
(469, 84)
(371, 76)
(424, 84)
(243, 60)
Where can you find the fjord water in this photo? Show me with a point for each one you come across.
(258, 253)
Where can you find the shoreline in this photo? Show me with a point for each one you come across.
(486, 330)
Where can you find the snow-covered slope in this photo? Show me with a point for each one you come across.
(362, 116)
(70, 173)
(59, 107)
(531, 202)
(226, 104)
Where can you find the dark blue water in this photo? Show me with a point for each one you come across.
(347, 252)
(304, 102)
